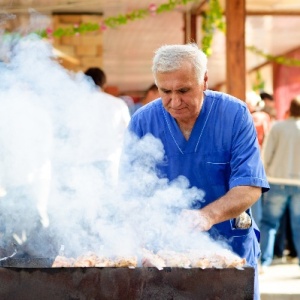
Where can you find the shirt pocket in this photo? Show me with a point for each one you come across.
(218, 168)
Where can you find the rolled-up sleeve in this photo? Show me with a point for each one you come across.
(246, 164)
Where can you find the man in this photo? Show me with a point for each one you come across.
(118, 109)
(261, 119)
(262, 124)
(269, 105)
(209, 138)
(150, 94)
(99, 78)
(281, 158)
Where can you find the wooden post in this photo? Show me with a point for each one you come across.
(190, 28)
(235, 48)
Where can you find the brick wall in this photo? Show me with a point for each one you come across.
(79, 51)
(76, 52)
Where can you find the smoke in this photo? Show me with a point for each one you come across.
(60, 145)
(59, 140)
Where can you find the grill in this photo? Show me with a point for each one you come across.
(33, 278)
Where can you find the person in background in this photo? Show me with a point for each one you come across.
(284, 247)
(282, 163)
(99, 78)
(209, 138)
(262, 123)
(261, 119)
(283, 239)
(121, 120)
(269, 105)
(150, 95)
(130, 103)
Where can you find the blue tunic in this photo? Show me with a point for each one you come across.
(221, 153)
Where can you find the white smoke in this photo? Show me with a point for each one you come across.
(58, 136)
(57, 140)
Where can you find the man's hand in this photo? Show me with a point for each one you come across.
(195, 219)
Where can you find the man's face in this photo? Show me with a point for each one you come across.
(181, 93)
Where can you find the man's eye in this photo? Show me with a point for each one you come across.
(166, 92)
(183, 91)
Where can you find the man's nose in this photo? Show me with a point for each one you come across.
(176, 100)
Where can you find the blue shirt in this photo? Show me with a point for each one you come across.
(221, 153)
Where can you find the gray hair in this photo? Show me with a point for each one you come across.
(169, 58)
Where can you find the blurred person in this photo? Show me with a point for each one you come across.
(121, 120)
(262, 123)
(269, 105)
(99, 78)
(209, 138)
(284, 248)
(281, 159)
(130, 103)
(150, 95)
(263, 111)
(261, 119)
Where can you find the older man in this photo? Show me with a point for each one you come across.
(209, 138)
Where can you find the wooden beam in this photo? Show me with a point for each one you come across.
(218, 85)
(281, 13)
(187, 27)
(191, 23)
(200, 8)
(273, 13)
(66, 57)
(235, 48)
(286, 54)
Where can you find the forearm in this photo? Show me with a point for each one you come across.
(231, 205)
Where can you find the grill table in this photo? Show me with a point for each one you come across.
(123, 283)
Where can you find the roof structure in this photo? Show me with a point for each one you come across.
(270, 25)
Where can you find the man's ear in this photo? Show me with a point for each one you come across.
(205, 84)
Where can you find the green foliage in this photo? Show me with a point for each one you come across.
(277, 59)
(114, 21)
(259, 84)
(212, 19)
